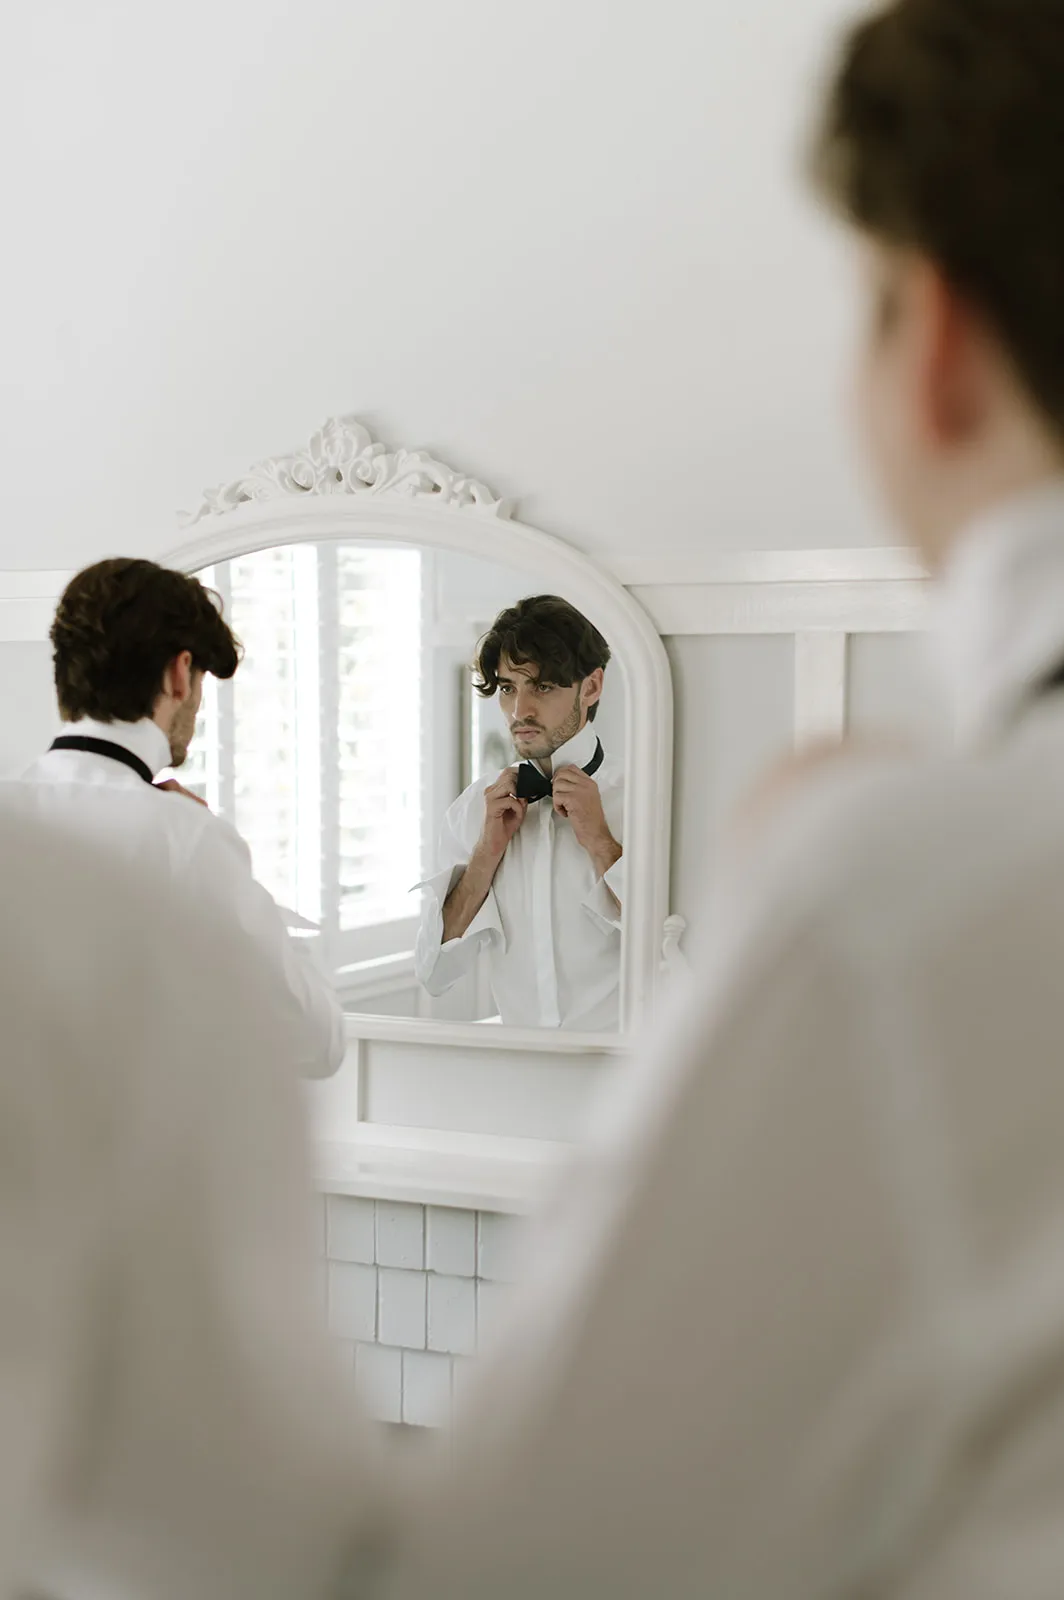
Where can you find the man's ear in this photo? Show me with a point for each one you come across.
(177, 677)
(950, 369)
(591, 688)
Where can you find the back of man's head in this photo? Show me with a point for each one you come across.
(119, 624)
(944, 135)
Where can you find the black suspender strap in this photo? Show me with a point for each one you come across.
(104, 747)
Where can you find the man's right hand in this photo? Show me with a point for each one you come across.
(503, 813)
(173, 787)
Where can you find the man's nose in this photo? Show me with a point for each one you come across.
(526, 701)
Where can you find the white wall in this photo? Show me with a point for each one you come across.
(31, 719)
(562, 243)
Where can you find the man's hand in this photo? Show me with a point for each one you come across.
(503, 814)
(577, 798)
(173, 787)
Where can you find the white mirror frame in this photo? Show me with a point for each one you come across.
(346, 485)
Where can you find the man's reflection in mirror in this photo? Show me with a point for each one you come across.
(529, 862)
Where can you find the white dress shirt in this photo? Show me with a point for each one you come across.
(551, 925)
(174, 1420)
(201, 847)
(796, 1330)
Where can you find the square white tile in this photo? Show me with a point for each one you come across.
(402, 1309)
(452, 1241)
(452, 1315)
(352, 1300)
(400, 1235)
(492, 1304)
(379, 1381)
(500, 1240)
(349, 1229)
(426, 1389)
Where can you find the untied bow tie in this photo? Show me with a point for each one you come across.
(533, 786)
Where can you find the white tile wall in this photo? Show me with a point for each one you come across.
(414, 1290)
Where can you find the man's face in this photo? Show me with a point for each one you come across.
(542, 716)
(896, 389)
(184, 723)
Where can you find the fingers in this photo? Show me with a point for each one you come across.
(173, 787)
(504, 784)
(572, 778)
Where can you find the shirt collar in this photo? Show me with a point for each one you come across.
(144, 738)
(1000, 611)
(576, 752)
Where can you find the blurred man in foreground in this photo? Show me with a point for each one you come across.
(800, 1332)
(172, 1419)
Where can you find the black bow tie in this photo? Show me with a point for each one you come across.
(104, 747)
(533, 786)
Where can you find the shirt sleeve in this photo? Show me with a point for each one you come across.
(439, 965)
(306, 1009)
(716, 1376)
(601, 904)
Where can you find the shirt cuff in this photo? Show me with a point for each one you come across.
(600, 904)
(437, 964)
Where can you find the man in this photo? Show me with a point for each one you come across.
(530, 863)
(173, 1418)
(132, 642)
(798, 1331)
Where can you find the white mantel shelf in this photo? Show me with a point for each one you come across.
(471, 1172)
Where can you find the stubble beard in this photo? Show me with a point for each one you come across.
(545, 747)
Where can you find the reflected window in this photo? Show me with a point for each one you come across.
(314, 750)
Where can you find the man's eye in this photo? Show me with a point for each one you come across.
(505, 689)
(545, 688)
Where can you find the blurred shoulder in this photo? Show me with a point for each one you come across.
(882, 850)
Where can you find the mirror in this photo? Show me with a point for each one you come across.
(352, 751)
(355, 750)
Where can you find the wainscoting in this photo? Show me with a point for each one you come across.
(412, 1293)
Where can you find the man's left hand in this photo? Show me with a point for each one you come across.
(577, 798)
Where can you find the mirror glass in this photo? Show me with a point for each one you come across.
(356, 757)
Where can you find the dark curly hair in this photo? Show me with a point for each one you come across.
(943, 133)
(119, 625)
(546, 632)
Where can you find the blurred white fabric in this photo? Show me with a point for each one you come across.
(796, 1331)
(173, 1418)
